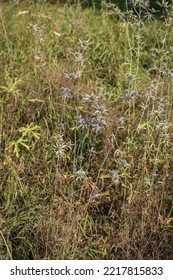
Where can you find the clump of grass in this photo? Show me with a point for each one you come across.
(85, 133)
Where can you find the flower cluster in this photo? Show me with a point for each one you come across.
(94, 118)
(170, 73)
(35, 28)
(121, 122)
(115, 177)
(92, 98)
(80, 175)
(129, 95)
(61, 148)
(72, 76)
(82, 122)
(65, 92)
(123, 163)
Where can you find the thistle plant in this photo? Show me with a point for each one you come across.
(86, 132)
(61, 148)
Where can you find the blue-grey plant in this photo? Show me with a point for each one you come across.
(81, 122)
(79, 57)
(65, 92)
(170, 73)
(61, 147)
(73, 76)
(123, 163)
(114, 175)
(91, 98)
(100, 110)
(121, 122)
(128, 95)
(96, 127)
(84, 44)
(80, 175)
(37, 30)
(98, 124)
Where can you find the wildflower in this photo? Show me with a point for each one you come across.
(152, 87)
(162, 126)
(134, 93)
(62, 126)
(89, 98)
(97, 127)
(121, 122)
(65, 92)
(61, 148)
(159, 110)
(170, 73)
(72, 76)
(98, 124)
(131, 77)
(84, 44)
(92, 98)
(114, 175)
(102, 122)
(128, 95)
(82, 122)
(123, 163)
(36, 29)
(80, 175)
(78, 57)
(153, 55)
(147, 182)
(100, 110)
(79, 158)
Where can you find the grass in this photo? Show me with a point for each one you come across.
(86, 133)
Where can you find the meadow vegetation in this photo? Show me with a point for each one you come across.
(86, 132)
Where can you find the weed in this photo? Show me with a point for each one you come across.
(86, 132)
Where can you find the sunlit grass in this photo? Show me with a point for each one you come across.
(86, 134)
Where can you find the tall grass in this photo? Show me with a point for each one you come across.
(86, 133)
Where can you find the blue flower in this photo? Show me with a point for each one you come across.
(128, 95)
(65, 92)
(89, 98)
(82, 122)
(80, 175)
(100, 110)
(102, 122)
(97, 127)
(134, 93)
(121, 122)
(72, 76)
(114, 176)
